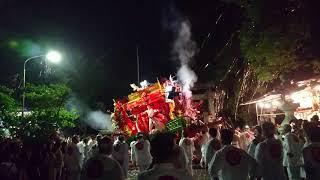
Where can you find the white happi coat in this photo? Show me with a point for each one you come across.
(71, 162)
(269, 154)
(244, 140)
(101, 167)
(311, 159)
(232, 163)
(188, 146)
(252, 147)
(292, 145)
(141, 152)
(212, 146)
(120, 153)
(180, 159)
(164, 171)
(204, 141)
(133, 158)
(81, 146)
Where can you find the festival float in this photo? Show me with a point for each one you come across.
(160, 106)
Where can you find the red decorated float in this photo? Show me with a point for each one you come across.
(154, 107)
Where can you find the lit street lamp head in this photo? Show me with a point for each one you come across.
(54, 57)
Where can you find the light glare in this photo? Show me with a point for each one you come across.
(54, 57)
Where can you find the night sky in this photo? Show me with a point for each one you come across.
(106, 33)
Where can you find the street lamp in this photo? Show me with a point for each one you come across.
(51, 56)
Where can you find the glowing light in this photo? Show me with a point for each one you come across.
(264, 105)
(261, 104)
(267, 105)
(317, 88)
(54, 57)
(304, 98)
(275, 103)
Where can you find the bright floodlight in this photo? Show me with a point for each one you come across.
(54, 57)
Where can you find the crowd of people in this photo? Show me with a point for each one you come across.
(262, 152)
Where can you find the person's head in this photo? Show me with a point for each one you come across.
(286, 128)
(75, 139)
(86, 140)
(162, 147)
(314, 133)
(240, 125)
(93, 137)
(121, 138)
(268, 129)
(140, 136)
(257, 131)
(213, 132)
(105, 145)
(99, 137)
(226, 136)
(315, 118)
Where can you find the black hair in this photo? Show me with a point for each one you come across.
(162, 146)
(213, 132)
(258, 128)
(105, 145)
(86, 140)
(226, 136)
(121, 138)
(75, 139)
(315, 118)
(268, 129)
(185, 134)
(314, 133)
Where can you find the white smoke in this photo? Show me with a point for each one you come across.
(185, 49)
(99, 120)
(96, 119)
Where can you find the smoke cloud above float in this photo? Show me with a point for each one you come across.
(184, 50)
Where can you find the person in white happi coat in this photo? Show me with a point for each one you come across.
(162, 150)
(92, 147)
(204, 141)
(132, 155)
(180, 159)
(101, 166)
(188, 146)
(81, 146)
(311, 153)
(86, 149)
(212, 146)
(245, 137)
(269, 154)
(120, 153)
(292, 153)
(141, 153)
(231, 163)
(72, 160)
(257, 139)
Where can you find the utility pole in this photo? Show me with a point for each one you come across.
(138, 65)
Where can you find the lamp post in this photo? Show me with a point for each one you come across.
(52, 56)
